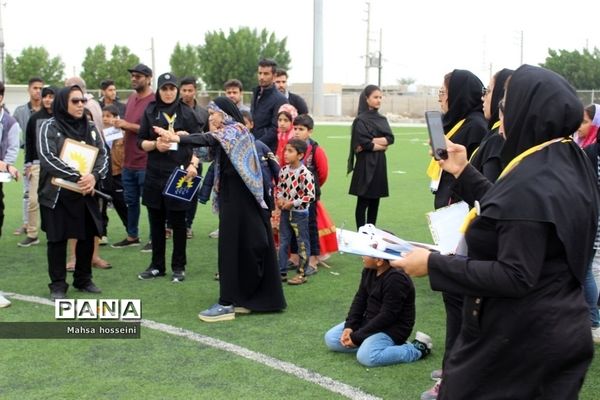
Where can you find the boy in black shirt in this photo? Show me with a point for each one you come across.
(381, 319)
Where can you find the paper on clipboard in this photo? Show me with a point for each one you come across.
(79, 156)
(445, 223)
(373, 242)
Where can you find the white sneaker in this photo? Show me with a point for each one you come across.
(596, 335)
(214, 234)
(4, 302)
(425, 339)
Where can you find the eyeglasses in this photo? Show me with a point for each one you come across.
(485, 91)
(77, 100)
(441, 92)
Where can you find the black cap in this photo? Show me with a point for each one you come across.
(141, 69)
(167, 78)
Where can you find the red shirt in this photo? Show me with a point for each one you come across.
(135, 158)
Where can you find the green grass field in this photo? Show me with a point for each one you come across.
(164, 366)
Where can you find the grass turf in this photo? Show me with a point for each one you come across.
(161, 366)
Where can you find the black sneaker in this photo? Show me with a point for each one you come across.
(28, 242)
(151, 273)
(178, 276)
(57, 295)
(90, 288)
(126, 243)
(147, 248)
(423, 343)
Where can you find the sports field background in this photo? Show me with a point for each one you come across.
(162, 366)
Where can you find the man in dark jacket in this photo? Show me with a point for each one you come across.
(266, 100)
(281, 78)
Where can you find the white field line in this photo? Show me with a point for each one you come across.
(283, 366)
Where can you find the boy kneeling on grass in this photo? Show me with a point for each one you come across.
(381, 319)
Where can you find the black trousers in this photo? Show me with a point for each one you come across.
(158, 218)
(118, 201)
(366, 211)
(57, 259)
(453, 304)
(1, 208)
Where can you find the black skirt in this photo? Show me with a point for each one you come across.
(67, 219)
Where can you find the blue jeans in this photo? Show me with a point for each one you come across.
(133, 187)
(293, 223)
(590, 292)
(377, 350)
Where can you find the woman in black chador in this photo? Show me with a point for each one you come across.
(371, 136)
(249, 276)
(526, 329)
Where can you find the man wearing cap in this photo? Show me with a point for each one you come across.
(134, 165)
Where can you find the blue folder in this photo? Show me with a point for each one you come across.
(179, 187)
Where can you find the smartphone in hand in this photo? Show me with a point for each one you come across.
(437, 138)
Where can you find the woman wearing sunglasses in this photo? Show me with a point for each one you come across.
(67, 213)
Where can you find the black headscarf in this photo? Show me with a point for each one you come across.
(555, 185)
(229, 108)
(75, 128)
(375, 122)
(185, 115)
(464, 97)
(498, 94)
(540, 106)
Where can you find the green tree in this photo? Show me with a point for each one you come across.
(34, 61)
(121, 59)
(582, 70)
(96, 67)
(237, 54)
(185, 61)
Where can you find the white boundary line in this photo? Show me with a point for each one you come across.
(283, 366)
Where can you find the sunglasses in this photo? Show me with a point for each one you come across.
(77, 100)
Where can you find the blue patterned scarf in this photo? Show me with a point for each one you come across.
(238, 143)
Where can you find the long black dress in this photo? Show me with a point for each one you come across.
(369, 171)
(526, 330)
(249, 276)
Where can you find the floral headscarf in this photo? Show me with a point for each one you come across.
(238, 143)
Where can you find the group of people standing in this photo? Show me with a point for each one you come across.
(517, 321)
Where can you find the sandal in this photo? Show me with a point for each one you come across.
(297, 280)
(101, 264)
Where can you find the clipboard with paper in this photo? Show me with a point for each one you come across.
(80, 157)
(445, 223)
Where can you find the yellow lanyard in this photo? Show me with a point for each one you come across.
(170, 121)
(511, 165)
(434, 170)
(496, 125)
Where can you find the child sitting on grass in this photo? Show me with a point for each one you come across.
(381, 319)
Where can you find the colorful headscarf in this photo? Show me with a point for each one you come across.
(238, 143)
(283, 137)
(593, 132)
